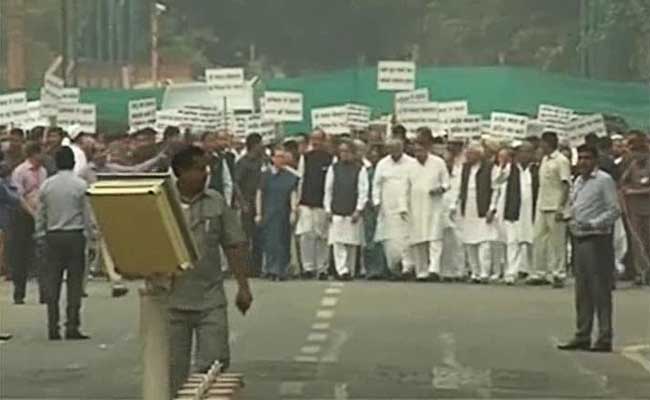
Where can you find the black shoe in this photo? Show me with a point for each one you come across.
(601, 348)
(323, 277)
(19, 301)
(76, 335)
(574, 345)
(422, 280)
(308, 275)
(434, 277)
(84, 295)
(281, 279)
(346, 277)
(558, 283)
(119, 291)
(54, 335)
(5, 336)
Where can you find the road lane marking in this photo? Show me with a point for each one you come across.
(332, 353)
(317, 337)
(324, 314)
(329, 302)
(333, 291)
(315, 349)
(337, 284)
(320, 326)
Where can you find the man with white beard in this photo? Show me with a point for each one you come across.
(390, 191)
(516, 208)
(477, 215)
(428, 180)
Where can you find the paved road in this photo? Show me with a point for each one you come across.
(360, 340)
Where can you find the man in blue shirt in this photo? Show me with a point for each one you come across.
(594, 210)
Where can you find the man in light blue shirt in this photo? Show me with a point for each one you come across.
(594, 210)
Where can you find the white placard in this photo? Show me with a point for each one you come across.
(169, 117)
(396, 75)
(282, 106)
(554, 117)
(509, 126)
(333, 120)
(84, 115)
(13, 107)
(51, 94)
(224, 82)
(579, 128)
(33, 117)
(535, 128)
(142, 114)
(452, 109)
(256, 124)
(464, 127)
(416, 115)
(69, 95)
(413, 96)
(358, 116)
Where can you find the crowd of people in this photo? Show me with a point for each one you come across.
(374, 205)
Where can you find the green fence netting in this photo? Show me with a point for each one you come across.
(487, 89)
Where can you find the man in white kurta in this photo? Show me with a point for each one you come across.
(453, 252)
(428, 180)
(516, 209)
(312, 225)
(476, 227)
(390, 190)
(346, 195)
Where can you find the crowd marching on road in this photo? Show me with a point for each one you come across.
(370, 205)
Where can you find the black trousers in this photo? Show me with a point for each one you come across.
(65, 252)
(594, 265)
(254, 238)
(20, 250)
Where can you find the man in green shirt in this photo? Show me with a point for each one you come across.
(197, 301)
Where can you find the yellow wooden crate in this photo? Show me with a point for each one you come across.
(143, 225)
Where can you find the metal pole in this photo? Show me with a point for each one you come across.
(154, 44)
(64, 40)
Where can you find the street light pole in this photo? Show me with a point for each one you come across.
(64, 40)
(154, 43)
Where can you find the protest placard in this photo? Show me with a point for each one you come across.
(554, 117)
(464, 127)
(69, 95)
(508, 126)
(84, 115)
(142, 113)
(255, 123)
(535, 128)
(358, 116)
(579, 128)
(333, 120)
(51, 94)
(413, 96)
(396, 75)
(224, 82)
(416, 115)
(282, 106)
(13, 107)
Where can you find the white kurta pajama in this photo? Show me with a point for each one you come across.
(427, 213)
(346, 236)
(476, 233)
(453, 252)
(390, 190)
(312, 229)
(518, 234)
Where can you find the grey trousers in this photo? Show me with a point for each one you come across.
(594, 266)
(211, 330)
(65, 251)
